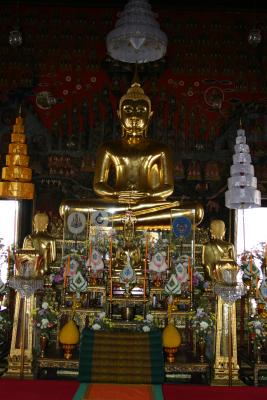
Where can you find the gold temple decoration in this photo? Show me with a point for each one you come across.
(69, 338)
(16, 175)
(171, 338)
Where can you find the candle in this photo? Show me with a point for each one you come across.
(257, 287)
(190, 272)
(110, 257)
(68, 266)
(111, 289)
(145, 268)
(90, 251)
(66, 271)
(168, 256)
(65, 278)
(250, 264)
(8, 258)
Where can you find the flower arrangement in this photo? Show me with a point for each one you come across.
(5, 326)
(248, 261)
(77, 263)
(45, 318)
(145, 324)
(100, 322)
(257, 330)
(202, 322)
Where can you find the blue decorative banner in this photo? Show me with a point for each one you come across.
(182, 227)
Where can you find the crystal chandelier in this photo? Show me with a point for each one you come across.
(15, 36)
(229, 294)
(242, 185)
(137, 37)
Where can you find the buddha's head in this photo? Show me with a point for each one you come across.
(217, 229)
(40, 222)
(135, 113)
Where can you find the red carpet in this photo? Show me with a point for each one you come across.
(185, 392)
(15, 389)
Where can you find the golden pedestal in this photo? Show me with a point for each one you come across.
(20, 356)
(226, 368)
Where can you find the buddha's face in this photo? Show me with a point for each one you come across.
(135, 116)
(217, 229)
(40, 222)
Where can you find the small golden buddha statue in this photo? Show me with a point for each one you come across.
(142, 168)
(128, 252)
(218, 256)
(40, 240)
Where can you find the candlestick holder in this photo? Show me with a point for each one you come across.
(191, 300)
(252, 289)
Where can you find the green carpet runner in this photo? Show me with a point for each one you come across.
(121, 357)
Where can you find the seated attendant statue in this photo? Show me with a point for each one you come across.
(218, 256)
(41, 241)
(134, 172)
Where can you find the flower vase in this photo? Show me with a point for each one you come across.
(201, 349)
(43, 344)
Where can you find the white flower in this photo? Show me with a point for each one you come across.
(96, 327)
(200, 312)
(44, 323)
(102, 315)
(258, 332)
(45, 305)
(146, 328)
(203, 325)
(149, 318)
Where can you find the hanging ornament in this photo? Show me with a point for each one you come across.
(254, 37)
(15, 38)
(242, 185)
(137, 37)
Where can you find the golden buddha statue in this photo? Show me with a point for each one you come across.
(218, 259)
(40, 240)
(142, 168)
